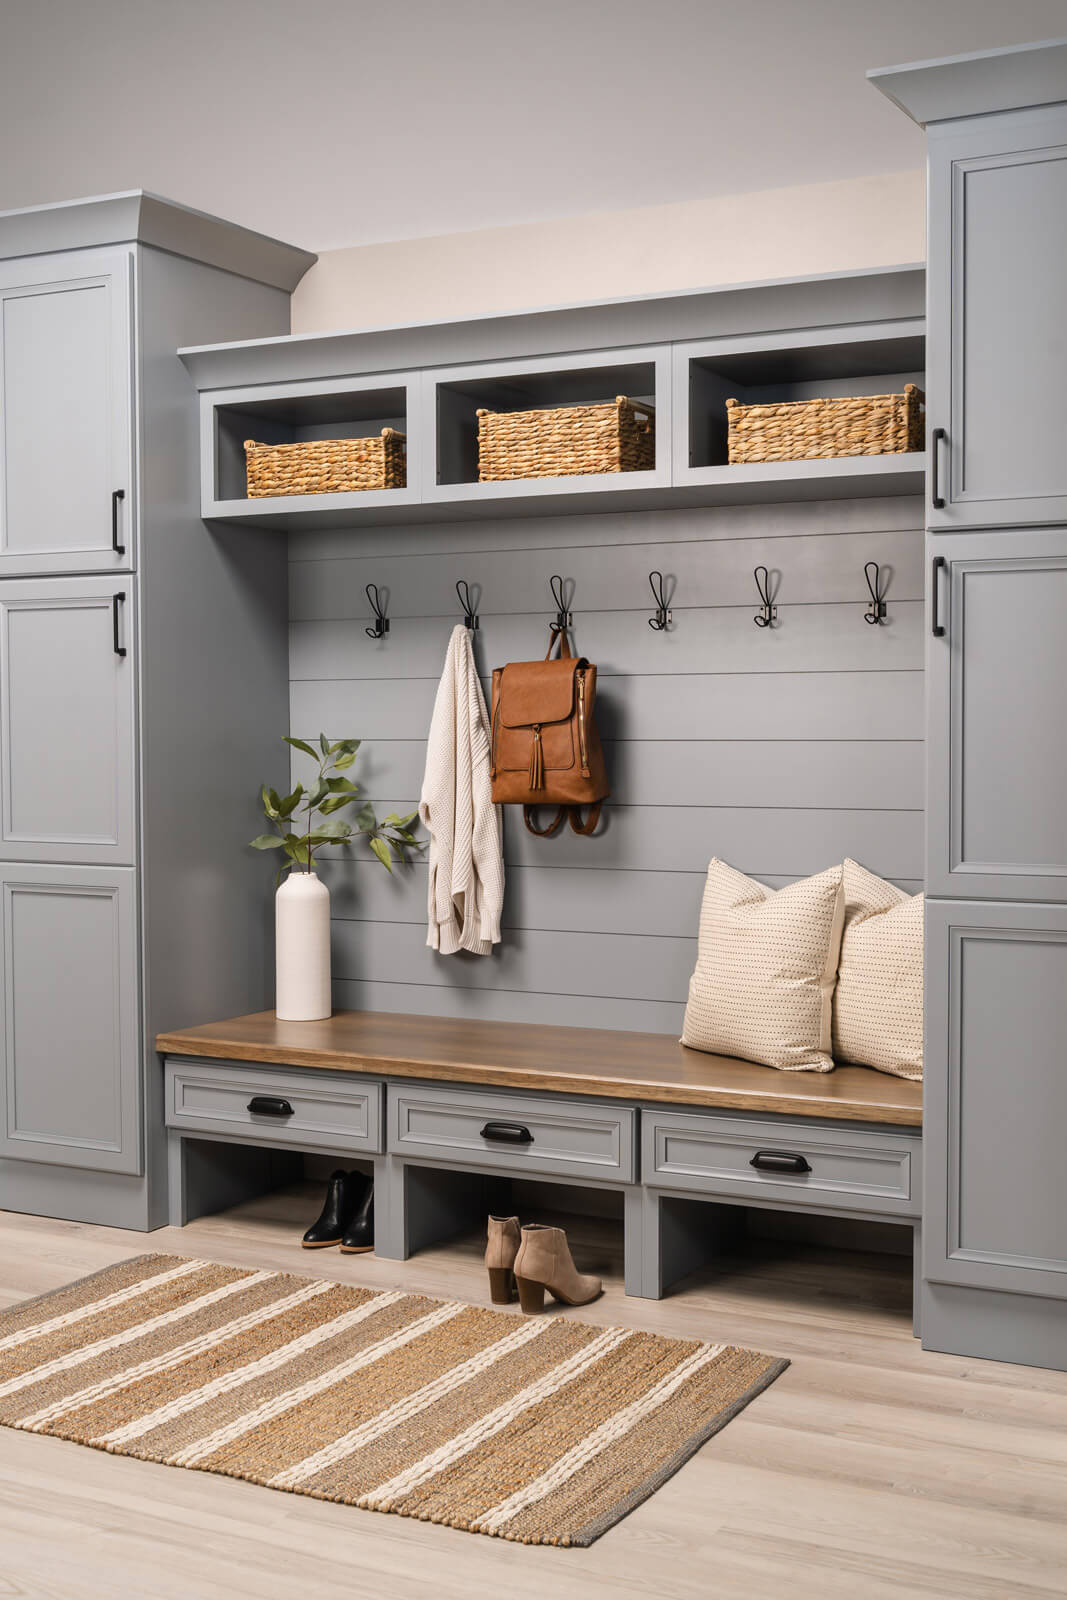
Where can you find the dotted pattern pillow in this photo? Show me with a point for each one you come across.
(765, 970)
(878, 1007)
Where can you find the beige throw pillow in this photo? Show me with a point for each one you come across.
(878, 1007)
(765, 970)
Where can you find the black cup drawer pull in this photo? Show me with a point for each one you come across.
(779, 1161)
(507, 1132)
(269, 1105)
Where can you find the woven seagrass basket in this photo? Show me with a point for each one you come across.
(802, 430)
(566, 441)
(327, 466)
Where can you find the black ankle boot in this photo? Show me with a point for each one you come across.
(359, 1235)
(344, 1194)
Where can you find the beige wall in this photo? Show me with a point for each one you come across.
(777, 233)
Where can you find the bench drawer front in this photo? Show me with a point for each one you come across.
(567, 1138)
(849, 1168)
(327, 1111)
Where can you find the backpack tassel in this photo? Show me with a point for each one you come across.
(537, 761)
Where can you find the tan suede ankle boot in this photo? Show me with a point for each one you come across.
(544, 1262)
(500, 1253)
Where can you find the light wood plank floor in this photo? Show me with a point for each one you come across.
(870, 1471)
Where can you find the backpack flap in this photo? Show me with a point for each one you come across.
(532, 722)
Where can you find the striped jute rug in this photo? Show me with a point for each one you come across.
(538, 1429)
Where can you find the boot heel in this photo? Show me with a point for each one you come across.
(531, 1295)
(501, 1285)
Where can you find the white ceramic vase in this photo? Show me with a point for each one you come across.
(302, 948)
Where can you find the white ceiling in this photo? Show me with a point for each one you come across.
(339, 122)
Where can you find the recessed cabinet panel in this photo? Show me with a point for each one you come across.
(996, 758)
(67, 721)
(66, 491)
(996, 1096)
(998, 377)
(70, 1084)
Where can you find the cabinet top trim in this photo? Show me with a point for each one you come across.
(1012, 79)
(895, 294)
(139, 217)
(587, 1061)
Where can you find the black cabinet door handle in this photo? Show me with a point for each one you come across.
(117, 495)
(116, 601)
(937, 627)
(269, 1105)
(507, 1132)
(779, 1161)
(937, 499)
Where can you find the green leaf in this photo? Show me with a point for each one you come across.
(366, 821)
(401, 833)
(383, 852)
(296, 847)
(270, 807)
(345, 760)
(324, 745)
(266, 841)
(317, 793)
(342, 786)
(302, 744)
(331, 830)
(335, 802)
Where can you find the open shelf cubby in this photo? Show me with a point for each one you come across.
(527, 386)
(717, 372)
(297, 414)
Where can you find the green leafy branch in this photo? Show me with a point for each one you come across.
(308, 818)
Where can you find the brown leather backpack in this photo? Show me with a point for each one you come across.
(545, 746)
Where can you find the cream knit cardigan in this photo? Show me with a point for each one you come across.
(466, 890)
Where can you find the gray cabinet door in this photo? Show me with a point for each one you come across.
(66, 482)
(997, 341)
(995, 1097)
(996, 735)
(67, 720)
(70, 1071)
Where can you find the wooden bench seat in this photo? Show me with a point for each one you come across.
(587, 1061)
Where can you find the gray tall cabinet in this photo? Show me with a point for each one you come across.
(995, 1098)
(139, 655)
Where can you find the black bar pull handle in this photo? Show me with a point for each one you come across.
(507, 1132)
(117, 495)
(937, 499)
(779, 1161)
(937, 627)
(269, 1105)
(116, 601)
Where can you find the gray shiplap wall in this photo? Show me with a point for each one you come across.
(780, 750)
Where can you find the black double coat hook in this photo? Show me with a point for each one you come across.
(768, 612)
(378, 604)
(662, 620)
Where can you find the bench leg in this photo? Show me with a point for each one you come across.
(633, 1225)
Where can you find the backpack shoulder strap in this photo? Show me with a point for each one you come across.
(530, 812)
